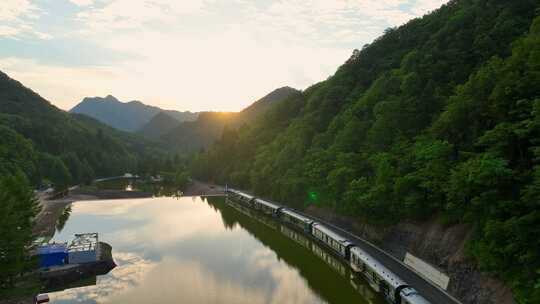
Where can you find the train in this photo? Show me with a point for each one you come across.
(393, 289)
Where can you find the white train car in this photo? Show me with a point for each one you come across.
(241, 196)
(266, 207)
(336, 242)
(392, 287)
(296, 219)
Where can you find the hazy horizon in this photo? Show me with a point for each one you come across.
(192, 55)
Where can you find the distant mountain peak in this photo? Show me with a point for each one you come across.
(261, 105)
(160, 124)
(111, 98)
(127, 116)
(136, 102)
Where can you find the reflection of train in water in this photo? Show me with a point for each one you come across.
(393, 288)
(328, 258)
(242, 209)
(367, 293)
(297, 237)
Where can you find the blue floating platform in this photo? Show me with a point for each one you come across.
(52, 255)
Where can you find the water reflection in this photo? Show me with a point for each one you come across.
(139, 185)
(61, 222)
(327, 287)
(180, 250)
(127, 275)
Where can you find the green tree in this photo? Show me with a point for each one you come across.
(54, 169)
(18, 207)
(16, 153)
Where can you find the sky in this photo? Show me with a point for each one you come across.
(193, 55)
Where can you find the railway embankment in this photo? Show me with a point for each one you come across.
(441, 246)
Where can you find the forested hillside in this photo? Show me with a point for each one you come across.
(160, 124)
(262, 105)
(437, 117)
(193, 136)
(47, 144)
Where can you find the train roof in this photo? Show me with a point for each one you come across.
(296, 215)
(234, 191)
(267, 203)
(240, 193)
(331, 233)
(382, 271)
(412, 296)
(246, 195)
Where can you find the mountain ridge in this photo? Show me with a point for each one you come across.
(128, 116)
(209, 126)
(57, 146)
(160, 124)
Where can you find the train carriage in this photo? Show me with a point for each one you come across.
(244, 198)
(381, 279)
(333, 240)
(296, 219)
(409, 295)
(266, 207)
(393, 288)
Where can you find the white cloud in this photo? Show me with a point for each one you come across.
(82, 2)
(130, 14)
(8, 31)
(11, 10)
(17, 17)
(208, 54)
(422, 7)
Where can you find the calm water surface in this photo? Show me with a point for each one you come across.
(204, 250)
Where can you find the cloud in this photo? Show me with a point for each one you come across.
(129, 273)
(422, 7)
(130, 14)
(194, 54)
(17, 19)
(11, 10)
(8, 31)
(82, 2)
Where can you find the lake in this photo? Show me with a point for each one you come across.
(204, 250)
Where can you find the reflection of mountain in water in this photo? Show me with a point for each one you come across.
(305, 258)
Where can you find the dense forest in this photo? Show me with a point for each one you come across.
(50, 146)
(440, 116)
